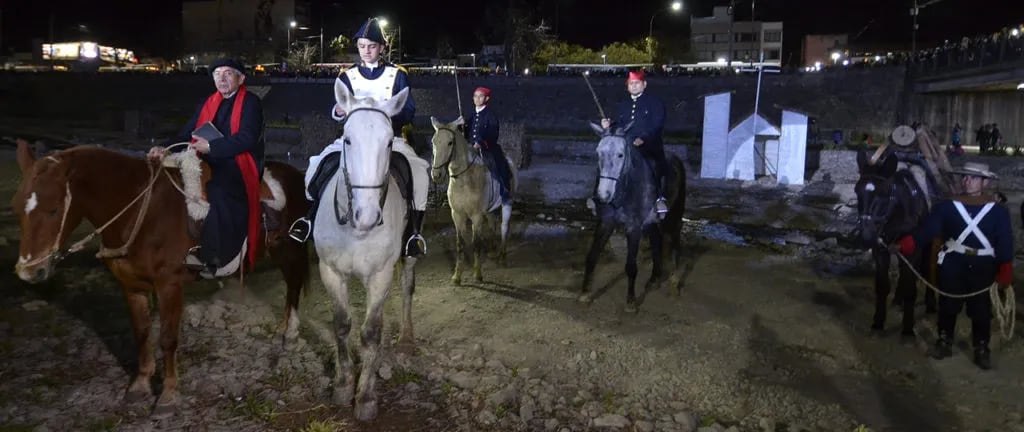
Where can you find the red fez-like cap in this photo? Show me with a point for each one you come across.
(486, 91)
(635, 76)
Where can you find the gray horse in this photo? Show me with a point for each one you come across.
(623, 197)
(472, 193)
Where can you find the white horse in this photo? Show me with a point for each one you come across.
(472, 193)
(360, 234)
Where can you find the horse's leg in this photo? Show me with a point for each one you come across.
(377, 287)
(344, 380)
(138, 305)
(293, 260)
(906, 290)
(169, 297)
(506, 219)
(601, 236)
(460, 243)
(632, 247)
(655, 240)
(882, 288)
(477, 245)
(406, 340)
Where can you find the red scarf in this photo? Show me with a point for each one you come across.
(245, 161)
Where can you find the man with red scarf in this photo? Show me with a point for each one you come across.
(236, 162)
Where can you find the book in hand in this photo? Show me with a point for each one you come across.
(208, 132)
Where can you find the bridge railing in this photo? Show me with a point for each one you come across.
(979, 52)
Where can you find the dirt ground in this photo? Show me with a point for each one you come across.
(759, 337)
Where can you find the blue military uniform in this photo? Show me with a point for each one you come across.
(647, 113)
(482, 129)
(978, 250)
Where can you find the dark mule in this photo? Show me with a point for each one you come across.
(891, 204)
(624, 197)
(58, 191)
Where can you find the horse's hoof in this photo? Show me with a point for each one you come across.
(166, 405)
(457, 280)
(406, 345)
(133, 396)
(631, 308)
(366, 411)
(478, 277)
(343, 396)
(584, 298)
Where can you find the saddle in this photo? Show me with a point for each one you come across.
(398, 169)
(194, 176)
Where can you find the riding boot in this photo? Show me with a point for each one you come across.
(981, 330)
(303, 227)
(944, 344)
(194, 261)
(415, 245)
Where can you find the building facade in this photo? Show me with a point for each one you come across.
(254, 29)
(710, 38)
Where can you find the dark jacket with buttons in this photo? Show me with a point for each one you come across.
(648, 116)
(482, 128)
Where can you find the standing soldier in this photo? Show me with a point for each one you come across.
(647, 113)
(482, 132)
(377, 79)
(978, 251)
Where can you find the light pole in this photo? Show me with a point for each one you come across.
(291, 25)
(604, 58)
(914, 11)
(675, 7)
(474, 59)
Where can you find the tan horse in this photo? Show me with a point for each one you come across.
(473, 194)
(144, 238)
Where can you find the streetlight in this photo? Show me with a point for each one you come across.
(835, 57)
(604, 58)
(914, 11)
(675, 7)
(474, 59)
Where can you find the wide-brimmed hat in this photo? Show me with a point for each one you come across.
(976, 169)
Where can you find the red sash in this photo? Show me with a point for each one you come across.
(246, 164)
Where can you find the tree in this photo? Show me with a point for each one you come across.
(623, 53)
(301, 56)
(564, 53)
(522, 37)
(339, 46)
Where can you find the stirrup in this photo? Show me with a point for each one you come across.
(421, 243)
(300, 233)
(192, 261)
(661, 206)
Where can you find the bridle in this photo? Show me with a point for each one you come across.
(451, 155)
(623, 170)
(343, 219)
(877, 211)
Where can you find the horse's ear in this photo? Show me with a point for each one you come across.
(26, 159)
(600, 131)
(436, 124)
(343, 95)
(394, 105)
(890, 166)
(459, 121)
(622, 131)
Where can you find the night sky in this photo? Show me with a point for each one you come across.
(152, 27)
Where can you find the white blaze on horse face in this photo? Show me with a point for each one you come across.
(31, 203)
(611, 156)
(25, 259)
(367, 152)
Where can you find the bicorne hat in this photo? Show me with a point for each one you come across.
(370, 30)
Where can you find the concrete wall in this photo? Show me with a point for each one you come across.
(854, 100)
(941, 111)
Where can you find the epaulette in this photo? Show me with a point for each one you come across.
(401, 68)
(343, 70)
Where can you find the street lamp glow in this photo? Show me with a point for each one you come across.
(1015, 32)
(721, 60)
(676, 6)
(1020, 86)
(383, 22)
(293, 24)
(836, 55)
(878, 58)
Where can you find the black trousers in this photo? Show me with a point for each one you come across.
(963, 275)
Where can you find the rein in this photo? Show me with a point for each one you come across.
(343, 219)
(58, 255)
(451, 155)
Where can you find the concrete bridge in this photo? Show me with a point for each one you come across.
(974, 86)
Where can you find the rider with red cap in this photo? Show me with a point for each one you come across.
(647, 114)
(482, 132)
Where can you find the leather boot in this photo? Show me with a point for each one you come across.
(415, 245)
(943, 347)
(660, 204)
(983, 357)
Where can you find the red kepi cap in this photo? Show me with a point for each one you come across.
(486, 91)
(635, 76)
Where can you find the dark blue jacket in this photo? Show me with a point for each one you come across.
(648, 116)
(482, 128)
(401, 82)
(960, 273)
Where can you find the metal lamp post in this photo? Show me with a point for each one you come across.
(675, 7)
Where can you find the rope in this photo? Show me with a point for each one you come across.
(1005, 308)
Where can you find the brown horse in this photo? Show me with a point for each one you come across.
(58, 191)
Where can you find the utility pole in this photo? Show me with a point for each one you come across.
(731, 14)
(321, 43)
(914, 11)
